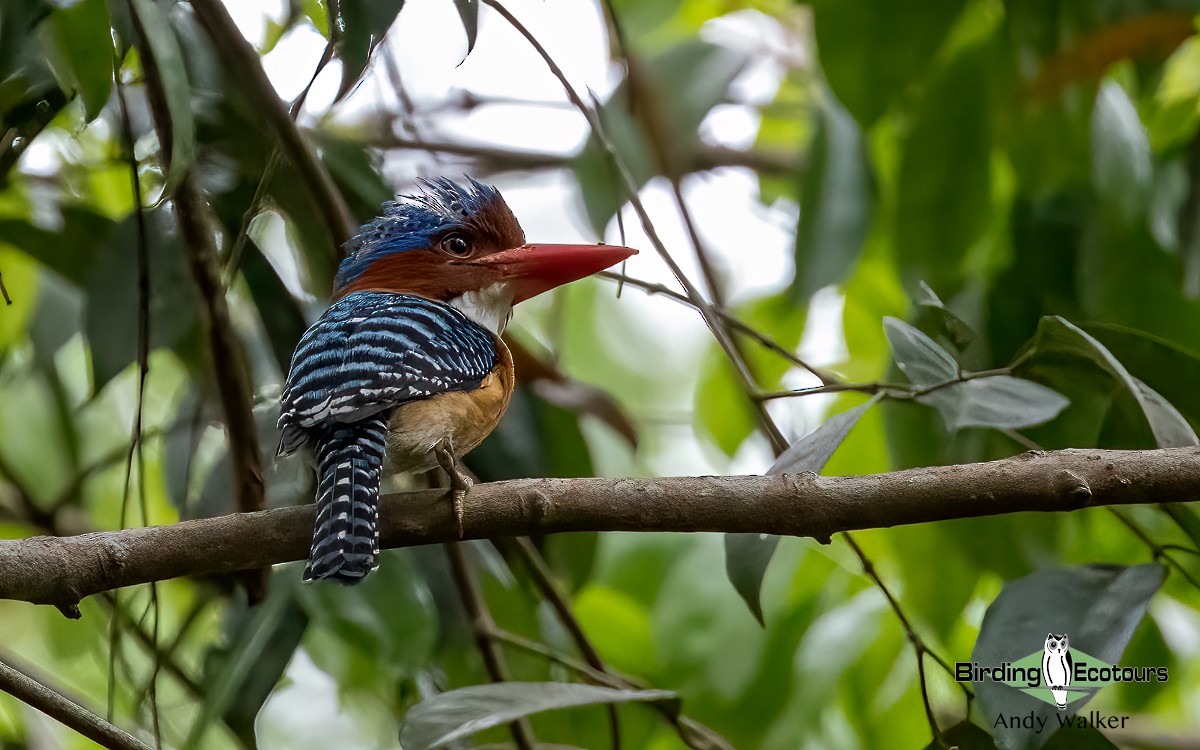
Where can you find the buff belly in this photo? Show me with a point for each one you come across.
(464, 417)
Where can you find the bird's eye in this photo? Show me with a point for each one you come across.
(456, 244)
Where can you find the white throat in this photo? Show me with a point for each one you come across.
(490, 307)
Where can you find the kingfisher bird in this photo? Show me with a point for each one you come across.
(406, 370)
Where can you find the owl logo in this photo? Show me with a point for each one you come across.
(1057, 667)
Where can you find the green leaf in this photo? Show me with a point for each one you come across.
(70, 250)
(1122, 172)
(997, 401)
(1170, 429)
(363, 24)
(964, 736)
(318, 16)
(371, 636)
(918, 356)
(160, 47)
(82, 45)
(1080, 739)
(721, 406)
(458, 714)
(468, 11)
(934, 316)
(619, 627)
(944, 185)
(111, 311)
(1057, 337)
(1098, 606)
(355, 170)
(239, 678)
(56, 317)
(748, 555)
(872, 51)
(837, 200)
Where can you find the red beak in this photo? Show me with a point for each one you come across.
(533, 269)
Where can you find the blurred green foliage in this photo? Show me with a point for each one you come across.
(1013, 186)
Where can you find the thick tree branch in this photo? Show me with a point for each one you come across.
(63, 570)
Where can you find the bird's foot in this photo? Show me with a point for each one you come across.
(460, 483)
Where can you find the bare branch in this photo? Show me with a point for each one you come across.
(63, 570)
(50, 701)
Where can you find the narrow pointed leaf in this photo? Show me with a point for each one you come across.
(161, 45)
(918, 356)
(363, 24)
(999, 401)
(82, 45)
(1122, 169)
(837, 200)
(1170, 429)
(936, 317)
(468, 11)
(748, 555)
(1057, 337)
(457, 714)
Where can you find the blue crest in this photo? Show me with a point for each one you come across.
(413, 222)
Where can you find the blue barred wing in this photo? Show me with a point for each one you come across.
(373, 351)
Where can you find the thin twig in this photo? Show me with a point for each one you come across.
(693, 734)
(229, 363)
(868, 388)
(595, 675)
(543, 579)
(736, 323)
(143, 361)
(51, 701)
(1159, 552)
(233, 261)
(162, 656)
(892, 390)
(482, 625)
(938, 737)
(711, 319)
(918, 643)
(716, 287)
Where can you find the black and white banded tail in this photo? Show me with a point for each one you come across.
(346, 536)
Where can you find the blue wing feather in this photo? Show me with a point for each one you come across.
(371, 352)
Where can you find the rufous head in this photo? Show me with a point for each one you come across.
(461, 244)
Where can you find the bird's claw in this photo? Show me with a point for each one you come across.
(460, 483)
